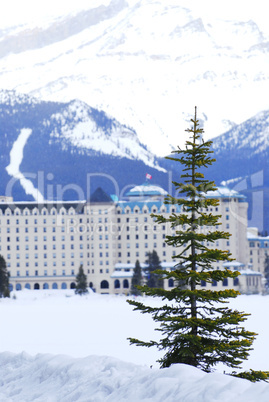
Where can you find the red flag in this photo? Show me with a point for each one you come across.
(148, 176)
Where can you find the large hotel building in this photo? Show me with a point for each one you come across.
(44, 244)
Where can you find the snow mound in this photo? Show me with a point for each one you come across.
(96, 379)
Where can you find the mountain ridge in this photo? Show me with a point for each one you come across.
(137, 61)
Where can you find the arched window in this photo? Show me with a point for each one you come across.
(64, 286)
(27, 286)
(117, 284)
(203, 283)
(126, 284)
(18, 286)
(45, 285)
(36, 286)
(214, 283)
(54, 285)
(73, 285)
(91, 285)
(104, 285)
(170, 282)
(10, 287)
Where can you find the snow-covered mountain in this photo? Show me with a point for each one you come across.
(242, 161)
(66, 150)
(66, 142)
(146, 63)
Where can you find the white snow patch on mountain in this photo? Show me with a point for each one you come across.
(13, 169)
(82, 131)
(145, 63)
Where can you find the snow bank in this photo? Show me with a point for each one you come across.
(98, 379)
(57, 346)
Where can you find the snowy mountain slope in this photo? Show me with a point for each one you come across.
(252, 134)
(242, 161)
(47, 138)
(146, 63)
(78, 125)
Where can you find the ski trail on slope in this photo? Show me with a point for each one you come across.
(13, 169)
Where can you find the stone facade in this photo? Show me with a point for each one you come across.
(44, 244)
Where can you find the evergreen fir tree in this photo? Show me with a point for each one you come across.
(4, 278)
(266, 272)
(196, 326)
(136, 280)
(81, 282)
(155, 280)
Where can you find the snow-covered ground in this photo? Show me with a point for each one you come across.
(57, 346)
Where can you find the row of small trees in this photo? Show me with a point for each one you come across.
(81, 280)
